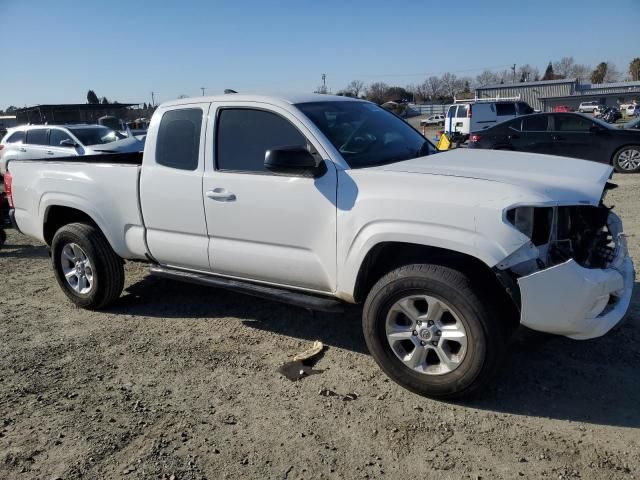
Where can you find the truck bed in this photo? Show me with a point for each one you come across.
(105, 187)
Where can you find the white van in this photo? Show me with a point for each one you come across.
(464, 118)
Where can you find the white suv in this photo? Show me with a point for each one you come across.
(437, 119)
(588, 107)
(51, 141)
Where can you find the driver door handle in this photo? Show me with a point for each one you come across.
(557, 137)
(221, 195)
(22, 149)
(49, 152)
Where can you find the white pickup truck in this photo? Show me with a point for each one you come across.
(320, 200)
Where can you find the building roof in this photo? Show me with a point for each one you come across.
(599, 86)
(527, 84)
(240, 97)
(77, 106)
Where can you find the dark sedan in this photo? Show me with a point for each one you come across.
(567, 134)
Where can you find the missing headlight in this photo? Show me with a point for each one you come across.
(534, 222)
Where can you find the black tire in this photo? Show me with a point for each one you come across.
(486, 335)
(107, 266)
(3, 237)
(616, 160)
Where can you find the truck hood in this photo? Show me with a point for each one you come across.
(561, 179)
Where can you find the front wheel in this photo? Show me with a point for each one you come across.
(627, 159)
(87, 269)
(429, 329)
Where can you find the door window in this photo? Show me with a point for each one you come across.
(178, 144)
(56, 136)
(505, 109)
(37, 136)
(536, 123)
(244, 136)
(571, 123)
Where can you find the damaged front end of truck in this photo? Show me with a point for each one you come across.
(574, 277)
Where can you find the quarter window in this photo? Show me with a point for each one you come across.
(37, 136)
(244, 136)
(16, 137)
(56, 136)
(178, 144)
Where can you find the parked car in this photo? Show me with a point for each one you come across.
(588, 107)
(53, 141)
(437, 119)
(566, 134)
(463, 118)
(318, 200)
(562, 108)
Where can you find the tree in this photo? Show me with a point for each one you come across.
(377, 92)
(597, 76)
(581, 72)
(322, 89)
(105, 101)
(355, 88)
(634, 69)
(92, 97)
(487, 77)
(10, 109)
(564, 67)
(450, 85)
(526, 72)
(398, 94)
(433, 87)
(549, 74)
(612, 74)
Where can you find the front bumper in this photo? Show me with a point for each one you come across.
(577, 302)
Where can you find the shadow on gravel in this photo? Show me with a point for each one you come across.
(156, 297)
(24, 251)
(594, 381)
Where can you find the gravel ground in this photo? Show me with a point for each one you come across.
(181, 382)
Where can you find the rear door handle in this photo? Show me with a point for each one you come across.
(557, 137)
(513, 137)
(49, 152)
(22, 149)
(221, 195)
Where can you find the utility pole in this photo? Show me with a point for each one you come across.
(153, 101)
(203, 89)
(514, 72)
(324, 81)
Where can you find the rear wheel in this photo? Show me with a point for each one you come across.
(627, 159)
(87, 269)
(429, 329)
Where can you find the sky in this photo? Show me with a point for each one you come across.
(56, 50)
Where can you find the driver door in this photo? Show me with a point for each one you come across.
(278, 229)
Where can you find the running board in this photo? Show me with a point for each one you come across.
(298, 299)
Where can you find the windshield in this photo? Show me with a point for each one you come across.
(95, 135)
(365, 134)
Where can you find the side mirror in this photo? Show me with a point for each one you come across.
(293, 160)
(68, 143)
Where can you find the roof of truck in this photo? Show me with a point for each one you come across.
(241, 97)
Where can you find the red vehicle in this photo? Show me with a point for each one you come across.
(561, 108)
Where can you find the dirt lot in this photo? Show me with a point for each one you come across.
(182, 382)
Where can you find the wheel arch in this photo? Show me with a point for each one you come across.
(57, 216)
(387, 256)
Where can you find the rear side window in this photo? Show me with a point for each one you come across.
(537, 123)
(178, 144)
(524, 108)
(37, 136)
(571, 123)
(15, 137)
(56, 136)
(505, 109)
(462, 111)
(244, 136)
